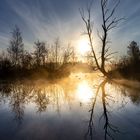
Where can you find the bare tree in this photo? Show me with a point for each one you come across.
(55, 55)
(74, 57)
(109, 22)
(89, 30)
(15, 48)
(68, 54)
(57, 47)
(40, 52)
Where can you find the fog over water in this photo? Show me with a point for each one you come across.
(82, 106)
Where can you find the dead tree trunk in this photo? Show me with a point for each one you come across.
(109, 22)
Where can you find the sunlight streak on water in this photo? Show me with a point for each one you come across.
(84, 92)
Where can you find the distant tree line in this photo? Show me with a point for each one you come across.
(128, 66)
(17, 61)
(55, 61)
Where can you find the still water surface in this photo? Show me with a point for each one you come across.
(81, 107)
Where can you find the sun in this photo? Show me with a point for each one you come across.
(83, 46)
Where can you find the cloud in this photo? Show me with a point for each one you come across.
(48, 19)
(43, 23)
(4, 41)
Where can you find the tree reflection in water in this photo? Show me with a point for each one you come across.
(108, 127)
(58, 96)
(20, 95)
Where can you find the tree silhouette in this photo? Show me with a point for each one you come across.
(133, 51)
(57, 47)
(16, 47)
(27, 60)
(68, 54)
(109, 22)
(40, 52)
(108, 126)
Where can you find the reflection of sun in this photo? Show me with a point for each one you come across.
(83, 46)
(84, 92)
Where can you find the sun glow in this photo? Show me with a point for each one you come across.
(84, 92)
(83, 46)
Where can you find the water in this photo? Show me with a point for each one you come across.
(81, 107)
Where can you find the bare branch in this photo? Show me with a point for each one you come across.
(112, 12)
(98, 33)
(111, 54)
(89, 27)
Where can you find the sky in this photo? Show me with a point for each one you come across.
(48, 19)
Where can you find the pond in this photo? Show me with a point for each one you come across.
(80, 107)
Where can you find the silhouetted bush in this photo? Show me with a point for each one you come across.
(128, 66)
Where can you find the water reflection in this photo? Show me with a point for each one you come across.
(84, 92)
(80, 108)
(107, 126)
